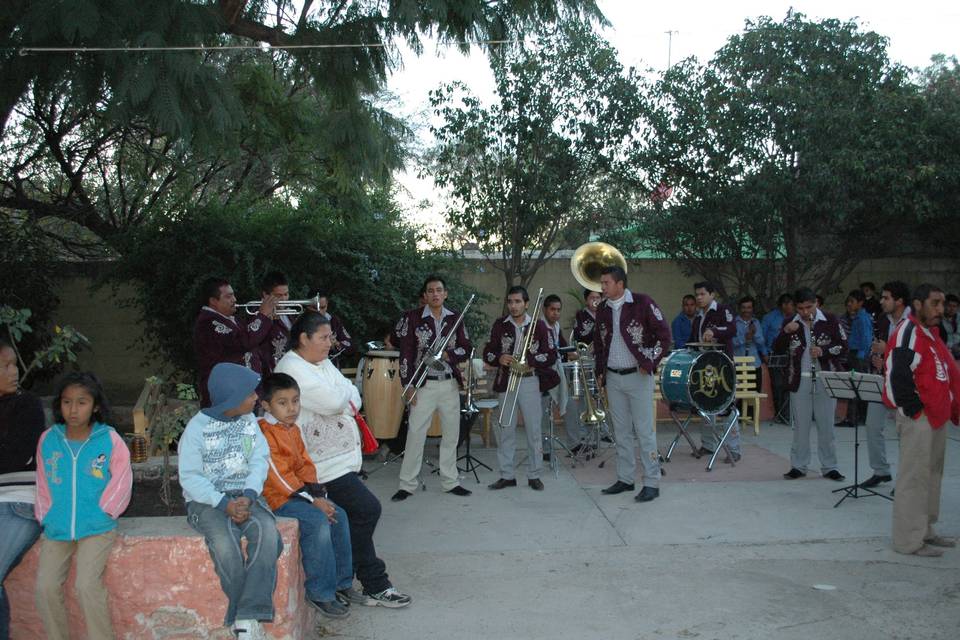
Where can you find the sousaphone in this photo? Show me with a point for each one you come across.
(590, 259)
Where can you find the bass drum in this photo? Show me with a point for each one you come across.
(704, 381)
(382, 393)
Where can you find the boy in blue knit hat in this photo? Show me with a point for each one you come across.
(223, 462)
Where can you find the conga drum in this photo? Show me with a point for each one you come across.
(705, 381)
(382, 393)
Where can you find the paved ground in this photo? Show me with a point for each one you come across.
(730, 560)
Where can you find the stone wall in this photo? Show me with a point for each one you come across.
(120, 356)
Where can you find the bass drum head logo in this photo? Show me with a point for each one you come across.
(713, 382)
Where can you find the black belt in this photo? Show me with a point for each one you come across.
(623, 372)
(441, 377)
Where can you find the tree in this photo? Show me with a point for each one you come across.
(526, 175)
(792, 154)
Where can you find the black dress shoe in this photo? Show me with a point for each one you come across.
(793, 474)
(617, 487)
(400, 496)
(834, 475)
(705, 452)
(502, 483)
(647, 494)
(874, 480)
(535, 484)
(460, 491)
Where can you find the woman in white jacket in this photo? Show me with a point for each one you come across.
(327, 401)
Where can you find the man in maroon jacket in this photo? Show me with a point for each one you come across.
(923, 383)
(586, 317)
(814, 341)
(537, 378)
(272, 349)
(714, 323)
(219, 337)
(342, 340)
(416, 332)
(630, 339)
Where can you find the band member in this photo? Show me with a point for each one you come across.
(342, 342)
(568, 407)
(631, 337)
(506, 335)
(923, 384)
(219, 337)
(814, 341)
(416, 333)
(714, 323)
(895, 303)
(274, 284)
(586, 317)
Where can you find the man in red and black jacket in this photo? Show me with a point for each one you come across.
(714, 323)
(506, 334)
(814, 341)
(416, 332)
(586, 318)
(922, 382)
(629, 341)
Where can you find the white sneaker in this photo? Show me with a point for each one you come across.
(249, 630)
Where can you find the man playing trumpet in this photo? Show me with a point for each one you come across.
(537, 377)
(415, 333)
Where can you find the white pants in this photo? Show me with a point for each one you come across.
(441, 396)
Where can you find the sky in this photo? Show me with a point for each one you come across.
(638, 30)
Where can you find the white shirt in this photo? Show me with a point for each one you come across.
(619, 356)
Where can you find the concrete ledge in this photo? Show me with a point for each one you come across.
(163, 586)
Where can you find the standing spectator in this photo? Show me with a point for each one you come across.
(859, 327)
(683, 323)
(84, 483)
(923, 382)
(750, 340)
(771, 326)
(950, 325)
(870, 302)
(21, 423)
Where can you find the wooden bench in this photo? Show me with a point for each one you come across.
(747, 394)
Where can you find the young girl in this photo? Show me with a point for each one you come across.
(83, 485)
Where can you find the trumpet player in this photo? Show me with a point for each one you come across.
(272, 349)
(218, 336)
(342, 341)
(630, 338)
(416, 331)
(537, 377)
(569, 408)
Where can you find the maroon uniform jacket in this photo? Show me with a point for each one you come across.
(415, 334)
(541, 355)
(643, 328)
(346, 347)
(826, 333)
(273, 348)
(217, 338)
(583, 327)
(718, 318)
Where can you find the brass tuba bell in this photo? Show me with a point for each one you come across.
(590, 259)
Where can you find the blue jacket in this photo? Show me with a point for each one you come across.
(81, 494)
(756, 348)
(771, 325)
(680, 328)
(861, 334)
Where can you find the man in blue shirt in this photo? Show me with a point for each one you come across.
(771, 325)
(859, 340)
(749, 340)
(683, 323)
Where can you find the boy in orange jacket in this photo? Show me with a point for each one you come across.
(292, 491)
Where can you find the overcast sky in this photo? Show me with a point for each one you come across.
(916, 30)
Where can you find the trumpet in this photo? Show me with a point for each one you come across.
(434, 355)
(283, 308)
(519, 367)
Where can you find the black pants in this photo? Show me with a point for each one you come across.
(363, 513)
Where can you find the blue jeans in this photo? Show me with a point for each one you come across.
(247, 582)
(324, 548)
(20, 531)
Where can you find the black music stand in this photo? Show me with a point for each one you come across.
(779, 362)
(467, 418)
(865, 387)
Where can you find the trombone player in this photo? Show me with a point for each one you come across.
(416, 332)
(505, 351)
(630, 338)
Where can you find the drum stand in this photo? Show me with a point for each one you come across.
(684, 433)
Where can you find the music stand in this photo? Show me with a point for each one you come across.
(467, 418)
(779, 362)
(842, 385)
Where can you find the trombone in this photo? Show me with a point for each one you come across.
(433, 356)
(593, 413)
(519, 367)
(283, 308)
